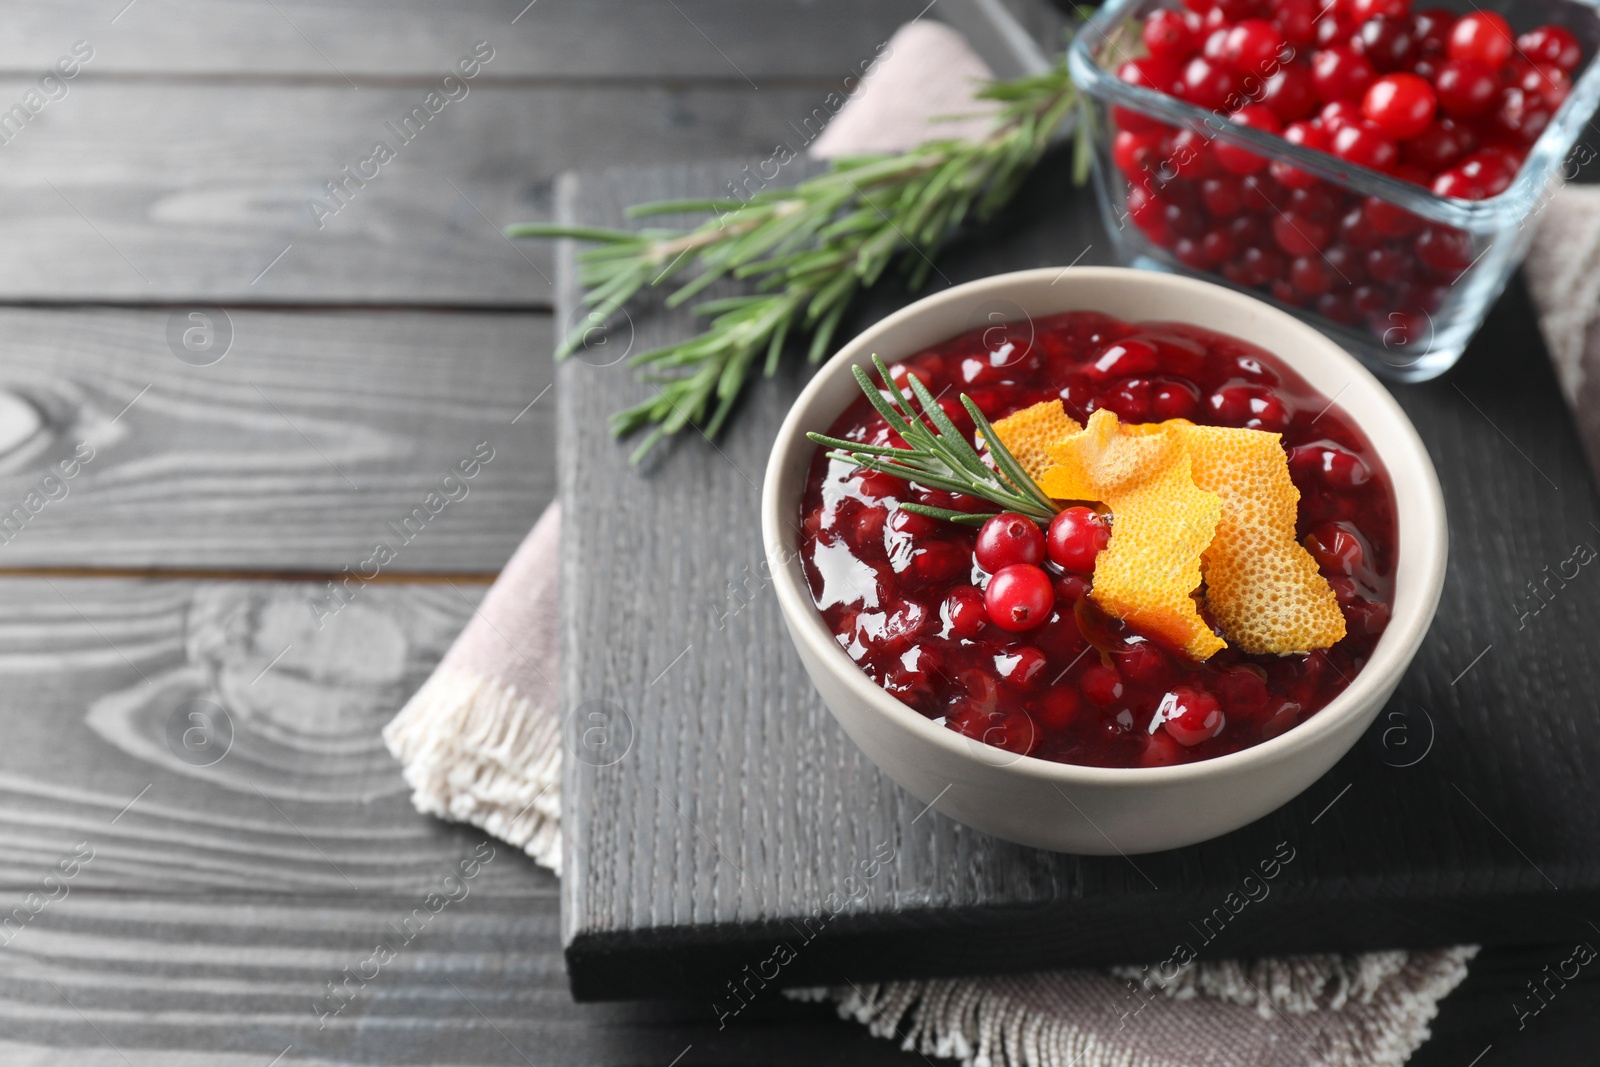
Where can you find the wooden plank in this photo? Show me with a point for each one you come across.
(741, 806)
(587, 40)
(281, 784)
(152, 192)
(314, 435)
(112, 980)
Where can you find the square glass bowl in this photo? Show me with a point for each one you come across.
(1450, 258)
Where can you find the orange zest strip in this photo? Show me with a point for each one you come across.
(1162, 523)
(1030, 433)
(1262, 586)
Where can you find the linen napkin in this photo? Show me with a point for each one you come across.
(480, 741)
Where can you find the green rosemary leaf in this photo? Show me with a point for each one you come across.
(965, 518)
(805, 251)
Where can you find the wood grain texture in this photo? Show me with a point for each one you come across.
(155, 192)
(314, 436)
(366, 40)
(1489, 837)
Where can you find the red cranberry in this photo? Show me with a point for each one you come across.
(1297, 21)
(1192, 158)
(879, 484)
(866, 531)
(1143, 663)
(1339, 114)
(1191, 715)
(1070, 588)
(1290, 93)
(1443, 144)
(1359, 232)
(1299, 236)
(1310, 276)
(1466, 88)
(1340, 74)
(1478, 177)
(1253, 46)
(1217, 245)
(1207, 84)
(1221, 197)
(1430, 29)
(1135, 153)
(940, 561)
(1102, 685)
(1367, 145)
(1236, 159)
(1403, 104)
(1019, 597)
(914, 525)
(1483, 37)
(1168, 35)
(1388, 265)
(1058, 709)
(1390, 219)
(1521, 115)
(1122, 358)
(1021, 666)
(1331, 464)
(1244, 692)
(1174, 400)
(1549, 82)
(1446, 249)
(1261, 265)
(1336, 549)
(908, 621)
(1360, 11)
(1338, 307)
(1160, 750)
(1551, 44)
(1151, 72)
(1249, 406)
(1076, 537)
(1009, 538)
(1385, 42)
(963, 613)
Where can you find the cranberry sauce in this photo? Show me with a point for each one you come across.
(905, 594)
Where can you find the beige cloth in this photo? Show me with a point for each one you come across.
(481, 743)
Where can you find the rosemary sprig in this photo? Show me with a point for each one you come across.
(807, 250)
(941, 458)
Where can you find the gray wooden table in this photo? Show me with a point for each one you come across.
(248, 392)
(215, 396)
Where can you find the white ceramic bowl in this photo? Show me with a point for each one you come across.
(1102, 810)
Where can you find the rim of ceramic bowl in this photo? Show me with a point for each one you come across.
(1418, 513)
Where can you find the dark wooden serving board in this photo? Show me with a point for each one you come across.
(735, 807)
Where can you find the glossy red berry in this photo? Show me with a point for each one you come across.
(1385, 42)
(1006, 539)
(1366, 144)
(1465, 88)
(963, 612)
(1019, 597)
(1076, 537)
(1551, 44)
(1402, 104)
(1483, 37)
(1191, 715)
(1336, 549)
(1430, 30)
(1290, 93)
(1207, 83)
(1341, 74)
(1307, 136)
(1254, 46)
(1360, 11)
(1121, 359)
(1101, 685)
(1443, 144)
(1168, 35)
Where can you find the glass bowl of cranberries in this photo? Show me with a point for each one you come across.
(1369, 165)
(978, 665)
